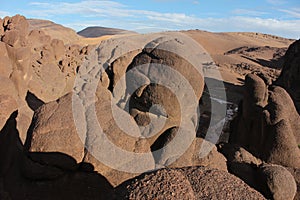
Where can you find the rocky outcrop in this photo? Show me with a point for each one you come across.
(126, 114)
(186, 183)
(44, 175)
(34, 64)
(273, 181)
(289, 77)
(267, 124)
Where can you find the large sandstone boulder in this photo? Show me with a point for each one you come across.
(280, 184)
(267, 125)
(54, 128)
(44, 175)
(186, 183)
(273, 181)
(128, 94)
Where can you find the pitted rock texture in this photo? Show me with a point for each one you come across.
(186, 183)
(279, 182)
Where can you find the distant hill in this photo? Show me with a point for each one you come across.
(98, 31)
(54, 30)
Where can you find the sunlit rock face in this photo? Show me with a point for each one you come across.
(34, 67)
(134, 108)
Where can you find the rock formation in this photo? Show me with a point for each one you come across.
(119, 120)
(273, 181)
(289, 77)
(34, 64)
(267, 124)
(128, 80)
(44, 175)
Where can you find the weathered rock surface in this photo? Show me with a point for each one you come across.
(34, 63)
(280, 184)
(267, 124)
(273, 181)
(296, 174)
(186, 183)
(123, 105)
(54, 129)
(44, 175)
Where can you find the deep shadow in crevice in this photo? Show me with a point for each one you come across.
(234, 94)
(48, 176)
(273, 63)
(33, 101)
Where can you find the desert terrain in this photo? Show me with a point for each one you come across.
(112, 114)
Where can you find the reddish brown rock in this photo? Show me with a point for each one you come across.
(269, 130)
(35, 62)
(44, 175)
(186, 183)
(54, 130)
(280, 184)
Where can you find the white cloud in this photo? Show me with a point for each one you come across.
(113, 14)
(246, 12)
(295, 12)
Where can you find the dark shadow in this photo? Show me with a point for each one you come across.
(249, 173)
(234, 94)
(164, 139)
(33, 101)
(49, 176)
(29, 134)
(273, 63)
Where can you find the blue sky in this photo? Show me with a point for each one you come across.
(278, 17)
